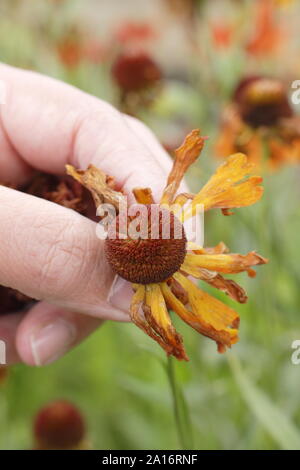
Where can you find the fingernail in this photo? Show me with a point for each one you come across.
(52, 341)
(120, 294)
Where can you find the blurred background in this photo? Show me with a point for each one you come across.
(177, 65)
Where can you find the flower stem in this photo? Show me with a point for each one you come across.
(181, 413)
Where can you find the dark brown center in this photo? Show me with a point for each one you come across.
(262, 102)
(152, 252)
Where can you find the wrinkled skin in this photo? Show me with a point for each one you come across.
(48, 252)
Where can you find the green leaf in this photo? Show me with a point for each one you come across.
(279, 426)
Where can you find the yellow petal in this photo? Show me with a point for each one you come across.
(224, 263)
(208, 315)
(192, 246)
(182, 198)
(179, 202)
(228, 187)
(136, 302)
(219, 248)
(228, 286)
(184, 157)
(156, 320)
(143, 195)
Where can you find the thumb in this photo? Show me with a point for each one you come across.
(52, 253)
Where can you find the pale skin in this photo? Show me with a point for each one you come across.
(49, 252)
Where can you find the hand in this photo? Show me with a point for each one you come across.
(49, 252)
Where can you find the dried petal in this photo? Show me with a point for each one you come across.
(98, 183)
(228, 187)
(156, 321)
(208, 315)
(184, 157)
(225, 263)
(228, 286)
(227, 212)
(159, 319)
(182, 198)
(219, 248)
(143, 195)
(178, 205)
(64, 197)
(178, 290)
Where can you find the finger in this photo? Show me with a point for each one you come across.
(71, 126)
(52, 253)
(50, 124)
(146, 136)
(47, 332)
(8, 328)
(13, 169)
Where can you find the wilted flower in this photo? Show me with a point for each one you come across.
(262, 101)
(137, 76)
(135, 71)
(159, 267)
(59, 425)
(261, 123)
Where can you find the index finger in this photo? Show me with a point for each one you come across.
(48, 124)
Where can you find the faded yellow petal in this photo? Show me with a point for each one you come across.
(156, 321)
(197, 249)
(182, 198)
(228, 187)
(228, 286)
(136, 302)
(178, 290)
(207, 315)
(224, 263)
(179, 202)
(192, 246)
(143, 195)
(184, 157)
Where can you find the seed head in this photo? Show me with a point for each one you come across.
(152, 259)
(59, 425)
(135, 72)
(262, 101)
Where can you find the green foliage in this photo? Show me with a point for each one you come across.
(118, 377)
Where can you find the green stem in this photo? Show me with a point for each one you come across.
(181, 413)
